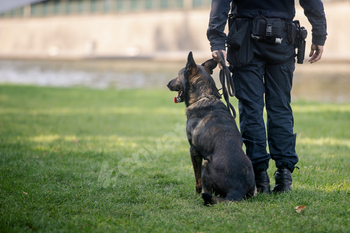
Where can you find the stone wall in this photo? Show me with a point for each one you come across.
(160, 35)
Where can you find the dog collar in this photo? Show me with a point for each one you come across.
(204, 97)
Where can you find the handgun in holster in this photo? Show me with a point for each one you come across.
(298, 35)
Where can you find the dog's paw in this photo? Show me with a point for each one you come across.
(208, 199)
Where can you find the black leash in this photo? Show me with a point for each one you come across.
(226, 78)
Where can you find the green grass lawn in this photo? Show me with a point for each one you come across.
(74, 159)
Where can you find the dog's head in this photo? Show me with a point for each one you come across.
(194, 81)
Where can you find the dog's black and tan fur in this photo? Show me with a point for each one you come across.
(213, 136)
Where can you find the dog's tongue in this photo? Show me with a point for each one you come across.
(176, 97)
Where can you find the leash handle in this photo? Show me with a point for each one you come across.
(227, 74)
(226, 78)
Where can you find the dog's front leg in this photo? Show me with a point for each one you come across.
(196, 158)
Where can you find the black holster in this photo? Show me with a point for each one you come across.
(296, 35)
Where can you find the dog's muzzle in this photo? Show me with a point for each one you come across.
(179, 98)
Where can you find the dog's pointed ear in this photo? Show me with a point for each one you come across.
(191, 66)
(209, 65)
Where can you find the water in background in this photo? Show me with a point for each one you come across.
(320, 81)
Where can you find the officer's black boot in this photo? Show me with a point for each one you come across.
(262, 181)
(283, 177)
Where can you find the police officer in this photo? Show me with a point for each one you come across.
(262, 75)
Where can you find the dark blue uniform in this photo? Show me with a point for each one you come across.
(267, 78)
(313, 9)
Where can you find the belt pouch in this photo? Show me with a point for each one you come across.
(267, 28)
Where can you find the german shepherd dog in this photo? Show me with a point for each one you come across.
(213, 135)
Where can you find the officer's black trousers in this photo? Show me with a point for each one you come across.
(267, 80)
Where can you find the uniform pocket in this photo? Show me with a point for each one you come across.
(239, 51)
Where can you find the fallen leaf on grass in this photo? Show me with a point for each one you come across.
(298, 209)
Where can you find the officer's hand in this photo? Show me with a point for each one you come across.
(315, 53)
(215, 57)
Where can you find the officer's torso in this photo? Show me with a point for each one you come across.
(269, 8)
